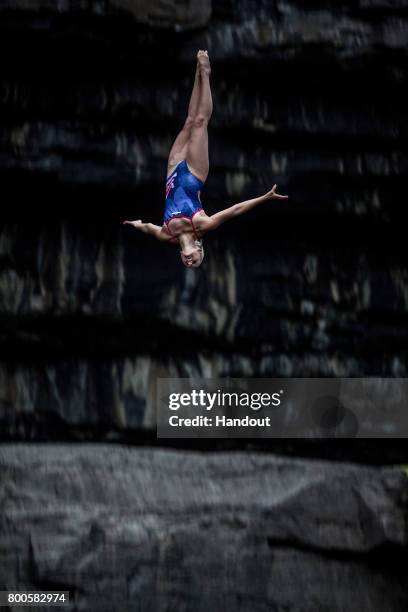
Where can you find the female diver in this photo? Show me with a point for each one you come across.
(185, 221)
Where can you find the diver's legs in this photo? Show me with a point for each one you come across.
(195, 94)
(179, 149)
(197, 149)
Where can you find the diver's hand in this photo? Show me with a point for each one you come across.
(272, 195)
(147, 228)
(134, 223)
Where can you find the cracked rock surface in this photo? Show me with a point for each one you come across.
(311, 97)
(125, 528)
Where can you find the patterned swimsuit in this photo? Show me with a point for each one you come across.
(182, 201)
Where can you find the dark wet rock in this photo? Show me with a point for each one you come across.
(315, 100)
(158, 14)
(91, 314)
(168, 530)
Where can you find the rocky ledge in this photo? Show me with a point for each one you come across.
(123, 528)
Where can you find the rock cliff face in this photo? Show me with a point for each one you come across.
(312, 96)
(125, 529)
(92, 96)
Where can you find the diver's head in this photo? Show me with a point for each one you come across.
(193, 255)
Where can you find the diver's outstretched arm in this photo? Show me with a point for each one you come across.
(148, 228)
(241, 208)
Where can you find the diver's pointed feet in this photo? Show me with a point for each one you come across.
(204, 62)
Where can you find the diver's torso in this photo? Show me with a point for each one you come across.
(182, 194)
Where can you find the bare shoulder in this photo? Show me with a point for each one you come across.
(164, 235)
(202, 221)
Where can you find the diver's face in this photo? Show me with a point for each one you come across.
(191, 258)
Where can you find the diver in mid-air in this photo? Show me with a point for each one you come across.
(187, 171)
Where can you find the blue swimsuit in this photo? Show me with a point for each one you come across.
(182, 200)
